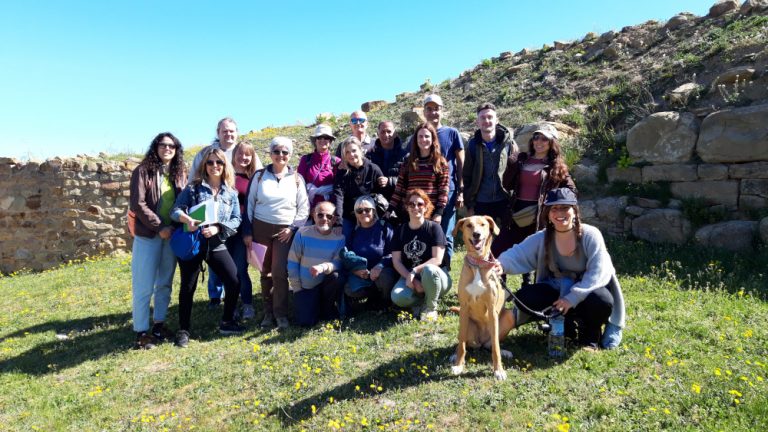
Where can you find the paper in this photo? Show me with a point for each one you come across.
(256, 254)
(205, 212)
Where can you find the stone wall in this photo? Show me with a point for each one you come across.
(61, 209)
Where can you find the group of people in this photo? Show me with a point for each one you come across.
(365, 225)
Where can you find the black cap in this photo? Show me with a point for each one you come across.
(562, 196)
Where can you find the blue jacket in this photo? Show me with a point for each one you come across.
(228, 211)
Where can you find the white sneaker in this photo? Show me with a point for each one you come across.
(429, 316)
(248, 312)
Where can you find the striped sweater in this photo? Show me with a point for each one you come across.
(311, 248)
(425, 178)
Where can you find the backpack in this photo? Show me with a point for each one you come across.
(185, 245)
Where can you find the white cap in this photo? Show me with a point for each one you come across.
(433, 98)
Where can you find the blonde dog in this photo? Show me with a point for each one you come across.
(481, 296)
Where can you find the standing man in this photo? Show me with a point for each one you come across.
(388, 153)
(358, 122)
(486, 160)
(452, 147)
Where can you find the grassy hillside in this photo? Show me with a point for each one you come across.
(694, 358)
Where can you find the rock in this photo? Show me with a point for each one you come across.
(741, 73)
(647, 203)
(662, 226)
(677, 21)
(747, 202)
(589, 37)
(611, 209)
(516, 68)
(680, 96)
(373, 105)
(584, 174)
(557, 113)
(748, 170)
(634, 210)
(757, 187)
(712, 172)
(734, 135)
(629, 175)
(411, 119)
(753, 6)
(561, 45)
(722, 7)
(588, 210)
(654, 173)
(664, 137)
(607, 37)
(735, 236)
(764, 230)
(505, 55)
(8, 161)
(612, 51)
(713, 191)
(675, 204)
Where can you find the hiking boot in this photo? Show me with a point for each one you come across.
(248, 312)
(214, 304)
(282, 323)
(161, 332)
(230, 328)
(182, 338)
(429, 316)
(268, 321)
(144, 341)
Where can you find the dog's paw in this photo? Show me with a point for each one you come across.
(506, 354)
(452, 358)
(500, 375)
(458, 370)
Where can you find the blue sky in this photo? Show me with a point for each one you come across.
(88, 76)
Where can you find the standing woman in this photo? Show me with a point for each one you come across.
(214, 181)
(425, 169)
(418, 255)
(357, 176)
(574, 275)
(277, 207)
(319, 167)
(155, 184)
(528, 177)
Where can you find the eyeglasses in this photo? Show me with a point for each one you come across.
(416, 204)
(166, 146)
(218, 162)
(280, 152)
(325, 216)
(362, 210)
(358, 120)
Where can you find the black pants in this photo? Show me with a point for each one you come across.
(591, 314)
(223, 265)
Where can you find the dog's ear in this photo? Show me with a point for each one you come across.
(459, 226)
(492, 224)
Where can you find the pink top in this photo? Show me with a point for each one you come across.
(318, 170)
(530, 179)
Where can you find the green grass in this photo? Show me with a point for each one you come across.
(694, 358)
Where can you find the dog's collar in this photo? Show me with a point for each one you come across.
(481, 262)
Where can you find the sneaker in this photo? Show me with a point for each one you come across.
(248, 312)
(182, 338)
(268, 321)
(214, 304)
(144, 341)
(283, 323)
(161, 332)
(230, 327)
(429, 316)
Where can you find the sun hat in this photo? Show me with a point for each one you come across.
(433, 98)
(560, 196)
(548, 131)
(322, 130)
(280, 141)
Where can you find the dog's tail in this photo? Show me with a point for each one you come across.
(455, 309)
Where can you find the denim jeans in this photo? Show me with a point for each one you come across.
(152, 267)
(436, 284)
(237, 250)
(448, 222)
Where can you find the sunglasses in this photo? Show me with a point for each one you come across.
(416, 204)
(362, 210)
(325, 216)
(280, 152)
(218, 162)
(355, 121)
(324, 138)
(166, 146)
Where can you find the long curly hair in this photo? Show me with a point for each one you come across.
(549, 233)
(435, 155)
(152, 161)
(558, 169)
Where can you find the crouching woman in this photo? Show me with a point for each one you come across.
(313, 268)
(574, 275)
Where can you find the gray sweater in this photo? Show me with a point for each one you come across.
(599, 272)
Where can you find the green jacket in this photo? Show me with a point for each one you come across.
(473, 163)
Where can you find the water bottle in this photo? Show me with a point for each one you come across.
(556, 342)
